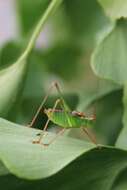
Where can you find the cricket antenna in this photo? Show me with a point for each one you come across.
(42, 104)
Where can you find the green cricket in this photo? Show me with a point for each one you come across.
(63, 117)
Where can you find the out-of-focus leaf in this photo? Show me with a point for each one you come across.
(108, 109)
(33, 161)
(3, 170)
(121, 181)
(10, 182)
(63, 60)
(10, 52)
(59, 25)
(122, 140)
(36, 71)
(99, 90)
(30, 13)
(109, 58)
(11, 82)
(12, 77)
(86, 166)
(31, 98)
(114, 8)
(87, 20)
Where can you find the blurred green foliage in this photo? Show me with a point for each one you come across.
(85, 51)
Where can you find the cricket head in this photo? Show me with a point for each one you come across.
(48, 112)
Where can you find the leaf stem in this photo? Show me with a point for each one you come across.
(51, 8)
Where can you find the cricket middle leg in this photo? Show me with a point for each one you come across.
(91, 136)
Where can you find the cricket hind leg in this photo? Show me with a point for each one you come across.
(91, 136)
(46, 125)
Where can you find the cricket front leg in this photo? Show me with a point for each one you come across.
(58, 101)
(46, 125)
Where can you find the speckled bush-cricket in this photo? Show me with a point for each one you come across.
(63, 117)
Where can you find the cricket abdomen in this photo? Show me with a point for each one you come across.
(68, 120)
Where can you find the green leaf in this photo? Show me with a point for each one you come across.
(86, 166)
(121, 181)
(12, 77)
(85, 26)
(33, 161)
(122, 140)
(98, 91)
(61, 180)
(109, 58)
(114, 8)
(30, 13)
(11, 81)
(67, 54)
(108, 108)
(10, 52)
(3, 170)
